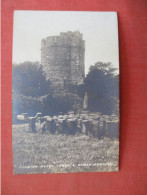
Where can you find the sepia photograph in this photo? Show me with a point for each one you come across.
(65, 92)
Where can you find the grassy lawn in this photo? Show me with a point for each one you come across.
(46, 153)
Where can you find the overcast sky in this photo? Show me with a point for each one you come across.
(99, 32)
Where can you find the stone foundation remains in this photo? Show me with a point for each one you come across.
(86, 123)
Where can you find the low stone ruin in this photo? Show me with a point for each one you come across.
(85, 123)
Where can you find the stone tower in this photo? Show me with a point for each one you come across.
(62, 58)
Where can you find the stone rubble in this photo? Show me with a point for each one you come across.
(86, 123)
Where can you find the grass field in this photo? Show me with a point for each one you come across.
(46, 153)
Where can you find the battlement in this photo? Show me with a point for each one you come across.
(70, 34)
(64, 39)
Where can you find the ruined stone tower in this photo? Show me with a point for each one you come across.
(62, 58)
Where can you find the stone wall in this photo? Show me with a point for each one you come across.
(62, 58)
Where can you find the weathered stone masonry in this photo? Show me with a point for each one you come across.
(86, 123)
(62, 58)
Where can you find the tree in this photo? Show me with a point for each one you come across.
(29, 79)
(101, 85)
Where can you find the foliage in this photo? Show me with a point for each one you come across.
(50, 104)
(29, 79)
(62, 102)
(77, 89)
(32, 93)
(26, 104)
(101, 85)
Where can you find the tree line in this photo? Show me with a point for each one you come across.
(32, 92)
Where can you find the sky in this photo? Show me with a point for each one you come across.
(99, 29)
